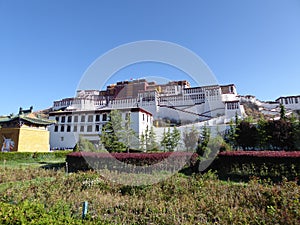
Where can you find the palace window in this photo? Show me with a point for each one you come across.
(89, 128)
(75, 129)
(62, 128)
(69, 119)
(97, 128)
(232, 105)
(83, 118)
(90, 118)
(81, 128)
(104, 117)
(63, 119)
(75, 119)
(68, 128)
(56, 129)
(97, 118)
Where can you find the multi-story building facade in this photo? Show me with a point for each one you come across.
(290, 102)
(88, 123)
(174, 100)
(272, 108)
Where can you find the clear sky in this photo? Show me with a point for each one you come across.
(47, 45)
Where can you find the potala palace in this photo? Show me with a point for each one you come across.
(150, 104)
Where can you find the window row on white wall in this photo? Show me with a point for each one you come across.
(232, 105)
(81, 118)
(290, 100)
(77, 128)
(90, 123)
(64, 119)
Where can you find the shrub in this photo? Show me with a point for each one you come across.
(266, 164)
(35, 213)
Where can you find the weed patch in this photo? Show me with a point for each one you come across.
(39, 196)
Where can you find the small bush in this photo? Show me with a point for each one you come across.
(36, 213)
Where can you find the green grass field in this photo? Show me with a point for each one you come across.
(40, 192)
(37, 160)
(32, 163)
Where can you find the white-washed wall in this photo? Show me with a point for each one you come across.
(91, 128)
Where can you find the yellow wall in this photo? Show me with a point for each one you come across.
(27, 139)
(33, 140)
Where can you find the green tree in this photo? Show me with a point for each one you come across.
(279, 132)
(282, 112)
(152, 144)
(215, 145)
(263, 136)
(190, 138)
(230, 135)
(296, 135)
(237, 120)
(112, 133)
(247, 135)
(176, 136)
(170, 140)
(84, 145)
(148, 140)
(127, 134)
(142, 142)
(115, 118)
(203, 141)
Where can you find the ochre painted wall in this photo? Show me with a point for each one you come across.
(27, 139)
(33, 140)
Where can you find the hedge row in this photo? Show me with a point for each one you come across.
(236, 165)
(264, 164)
(15, 156)
(260, 154)
(131, 162)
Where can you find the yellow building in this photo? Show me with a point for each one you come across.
(24, 132)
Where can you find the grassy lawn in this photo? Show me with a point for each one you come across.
(36, 160)
(30, 163)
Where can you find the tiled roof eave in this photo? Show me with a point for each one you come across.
(37, 121)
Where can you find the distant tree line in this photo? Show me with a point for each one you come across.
(282, 134)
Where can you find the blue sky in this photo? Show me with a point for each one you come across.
(46, 46)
